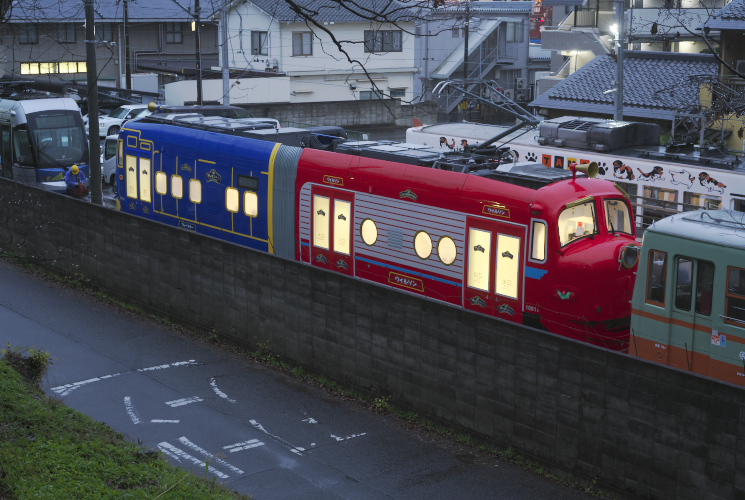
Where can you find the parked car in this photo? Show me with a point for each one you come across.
(218, 110)
(111, 124)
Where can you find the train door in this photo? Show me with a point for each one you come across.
(139, 171)
(332, 219)
(214, 212)
(690, 317)
(493, 283)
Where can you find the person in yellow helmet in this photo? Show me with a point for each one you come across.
(75, 182)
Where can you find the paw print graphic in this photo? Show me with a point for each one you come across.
(531, 157)
(602, 169)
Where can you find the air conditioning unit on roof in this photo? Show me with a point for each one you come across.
(509, 93)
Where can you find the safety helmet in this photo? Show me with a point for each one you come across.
(75, 170)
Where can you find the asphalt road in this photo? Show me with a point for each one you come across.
(213, 411)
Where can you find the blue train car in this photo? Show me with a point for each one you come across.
(222, 184)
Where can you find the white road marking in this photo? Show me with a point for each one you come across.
(129, 407)
(64, 390)
(184, 401)
(179, 454)
(213, 383)
(245, 445)
(260, 427)
(158, 421)
(209, 455)
(338, 438)
(310, 420)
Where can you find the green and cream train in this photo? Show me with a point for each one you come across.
(688, 306)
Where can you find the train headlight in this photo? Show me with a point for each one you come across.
(629, 256)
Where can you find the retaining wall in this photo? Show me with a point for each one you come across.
(634, 426)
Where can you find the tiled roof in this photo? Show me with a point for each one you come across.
(655, 84)
(324, 11)
(731, 17)
(108, 10)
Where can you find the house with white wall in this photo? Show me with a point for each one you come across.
(336, 56)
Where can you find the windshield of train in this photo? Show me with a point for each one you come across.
(58, 137)
(619, 219)
(577, 220)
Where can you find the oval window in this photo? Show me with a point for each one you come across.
(369, 232)
(447, 250)
(423, 245)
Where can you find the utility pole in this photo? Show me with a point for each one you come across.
(466, 31)
(199, 51)
(225, 69)
(620, 46)
(127, 67)
(92, 80)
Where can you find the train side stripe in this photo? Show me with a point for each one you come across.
(684, 324)
(408, 271)
(270, 198)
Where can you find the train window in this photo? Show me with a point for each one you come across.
(538, 241)
(735, 308)
(619, 218)
(696, 201)
(704, 287)
(738, 204)
(251, 204)
(131, 176)
(479, 258)
(232, 199)
(577, 221)
(22, 146)
(145, 189)
(177, 186)
(423, 245)
(342, 226)
(508, 265)
(656, 277)
(161, 182)
(195, 191)
(120, 153)
(248, 182)
(446, 250)
(684, 284)
(321, 226)
(369, 232)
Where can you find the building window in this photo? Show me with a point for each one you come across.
(259, 45)
(174, 33)
(28, 33)
(35, 68)
(397, 93)
(370, 95)
(66, 33)
(383, 41)
(456, 32)
(105, 32)
(511, 33)
(302, 43)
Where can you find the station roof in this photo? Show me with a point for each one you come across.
(655, 85)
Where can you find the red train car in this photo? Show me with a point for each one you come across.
(525, 243)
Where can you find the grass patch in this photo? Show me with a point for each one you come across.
(48, 450)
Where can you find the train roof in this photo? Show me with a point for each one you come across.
(720, 227)
(566, 132)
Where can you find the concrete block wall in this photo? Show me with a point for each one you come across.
(633, 426)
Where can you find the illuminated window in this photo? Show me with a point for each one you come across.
(321, 207)
(369, 232)
(161, 183)
(479, 258)
(131, 176)
(446, 250)
(177, 186)
(119, 153)
(195, 191)
(232, 200)
(538, 239)
(577, 221)
(423, 245)
(36, 68)
(619, 218)
(342, 226)
(251, 203)
(145, 190)
(508, 265)
(656, 277)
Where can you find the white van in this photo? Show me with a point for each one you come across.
(108, 160)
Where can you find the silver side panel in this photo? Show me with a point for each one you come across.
(285, 175)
